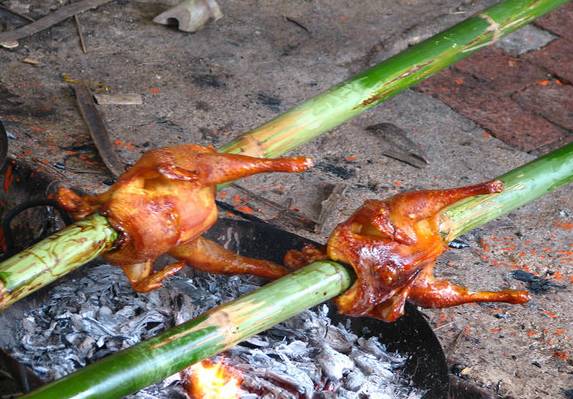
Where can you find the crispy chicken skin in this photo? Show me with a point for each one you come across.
(392, 245)
(165, 202)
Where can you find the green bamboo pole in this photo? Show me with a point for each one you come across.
(340, 103)
(151, 361)
(377, 84)
(215, 331)
(521, 186)
(54, 257)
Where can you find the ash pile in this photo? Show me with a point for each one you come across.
(305, 357)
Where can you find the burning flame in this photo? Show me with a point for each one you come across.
(208, 380)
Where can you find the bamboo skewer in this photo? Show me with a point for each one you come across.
(301, 124)
(54, 257)
(521, 186)
(222, 327)
(379, 83)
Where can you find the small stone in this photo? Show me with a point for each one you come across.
(524, 40)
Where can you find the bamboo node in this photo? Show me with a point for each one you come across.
(478, 42)
(493, 27)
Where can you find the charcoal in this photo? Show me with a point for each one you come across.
(347, 394)
(338, 340)
(257, 341)
(294, 350)
(306, 356)
(373, 346)
(286, 380)
(272, 391)
(369, 364)
(303, 380)
(334, 364)
(354, 380)
(311, 369)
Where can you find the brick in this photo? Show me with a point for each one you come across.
(502, 72)
(553, 101)
(552, 146)
(559, 21)
(503, 117)
(557, 58)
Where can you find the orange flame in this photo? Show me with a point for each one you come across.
(208, 380)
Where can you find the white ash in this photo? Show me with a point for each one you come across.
(305, 357)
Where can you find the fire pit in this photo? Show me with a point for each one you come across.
(94, 312)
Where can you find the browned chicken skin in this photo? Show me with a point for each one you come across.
(165, 202)
(392, 245)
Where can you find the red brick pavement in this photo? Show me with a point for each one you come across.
(525, 101)
(553, 101)
(559, 21)
(501, 71)
(556, 57)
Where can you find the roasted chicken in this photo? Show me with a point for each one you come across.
(392, 245)
(165, 202)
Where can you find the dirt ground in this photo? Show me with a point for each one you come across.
(255, 63)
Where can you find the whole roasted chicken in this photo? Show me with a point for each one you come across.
(392, 245)
(164, 203)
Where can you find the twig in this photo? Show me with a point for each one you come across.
(284, 213)
(16, 13)
(80, 34)
(294, 21)
(443, 326)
